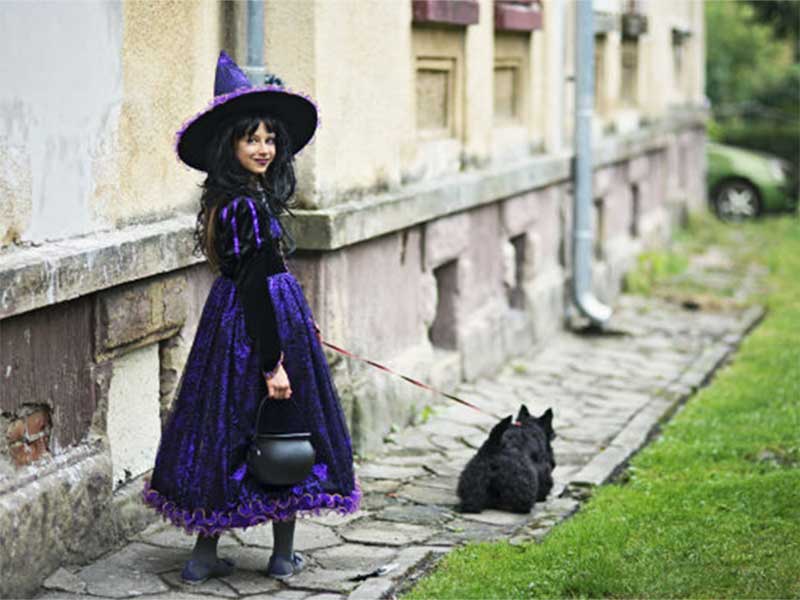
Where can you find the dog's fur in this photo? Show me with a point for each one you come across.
(513, 469)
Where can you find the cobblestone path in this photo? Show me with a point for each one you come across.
(608, 394)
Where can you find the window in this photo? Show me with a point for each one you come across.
(636, 210)
(599, 229)
(435, 93)
(680, 36)
(599, 73)
(516, 269)
(630, 73)
(436, 145)
(442, 332)
(507, 91)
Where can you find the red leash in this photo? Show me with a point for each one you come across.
(406, 377)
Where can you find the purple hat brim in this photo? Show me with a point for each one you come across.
(298, 113)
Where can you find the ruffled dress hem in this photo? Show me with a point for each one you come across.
(251, 512)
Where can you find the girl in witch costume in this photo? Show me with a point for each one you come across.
(256, 337)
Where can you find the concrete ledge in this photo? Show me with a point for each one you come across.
(350, 223)
(33, 277)
(39, 276)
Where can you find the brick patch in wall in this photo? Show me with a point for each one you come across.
(28, 436)
(16, 431)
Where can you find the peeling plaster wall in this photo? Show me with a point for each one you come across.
(169, 52)
(95, 92)
(59, 109)
(134, 427)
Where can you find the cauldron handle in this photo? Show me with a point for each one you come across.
(258, 414)
(261, 408)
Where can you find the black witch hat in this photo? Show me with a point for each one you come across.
(234, 94)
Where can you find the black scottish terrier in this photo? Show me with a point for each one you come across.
(513, 469)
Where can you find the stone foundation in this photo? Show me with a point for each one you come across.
(72, 459)
(63, 510)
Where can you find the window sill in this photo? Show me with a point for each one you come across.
(457, 13)
(517, 17)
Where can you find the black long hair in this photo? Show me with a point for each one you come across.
(227, 178)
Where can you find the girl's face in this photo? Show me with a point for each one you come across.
(256, 151)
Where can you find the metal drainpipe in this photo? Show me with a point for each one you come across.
(587, 303)
(255, 69)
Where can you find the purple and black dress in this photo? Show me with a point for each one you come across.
(255, 310)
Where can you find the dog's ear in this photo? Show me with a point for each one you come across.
(499, 429)
(546, 421)
(523, 413)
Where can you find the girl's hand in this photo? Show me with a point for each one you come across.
(316, 328)
(278, 385)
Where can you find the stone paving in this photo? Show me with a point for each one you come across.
(608, 393)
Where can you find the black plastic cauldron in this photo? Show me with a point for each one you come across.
(280, 459)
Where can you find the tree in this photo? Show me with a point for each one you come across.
(743, 56)
(784, 18)
(753, 75)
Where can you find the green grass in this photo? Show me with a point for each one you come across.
(664, 273)
(652, 268)
(711, 509)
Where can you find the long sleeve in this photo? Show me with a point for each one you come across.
(249, 255)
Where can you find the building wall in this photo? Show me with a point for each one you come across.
(168, 50)
(87, 130)
(434, 234)
(58, 124)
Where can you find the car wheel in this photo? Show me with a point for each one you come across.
(736, 200)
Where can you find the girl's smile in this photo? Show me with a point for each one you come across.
(256, 151)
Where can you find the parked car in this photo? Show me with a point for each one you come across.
(743, 184)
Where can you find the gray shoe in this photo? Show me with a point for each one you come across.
(196, 571)
(281, 567)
